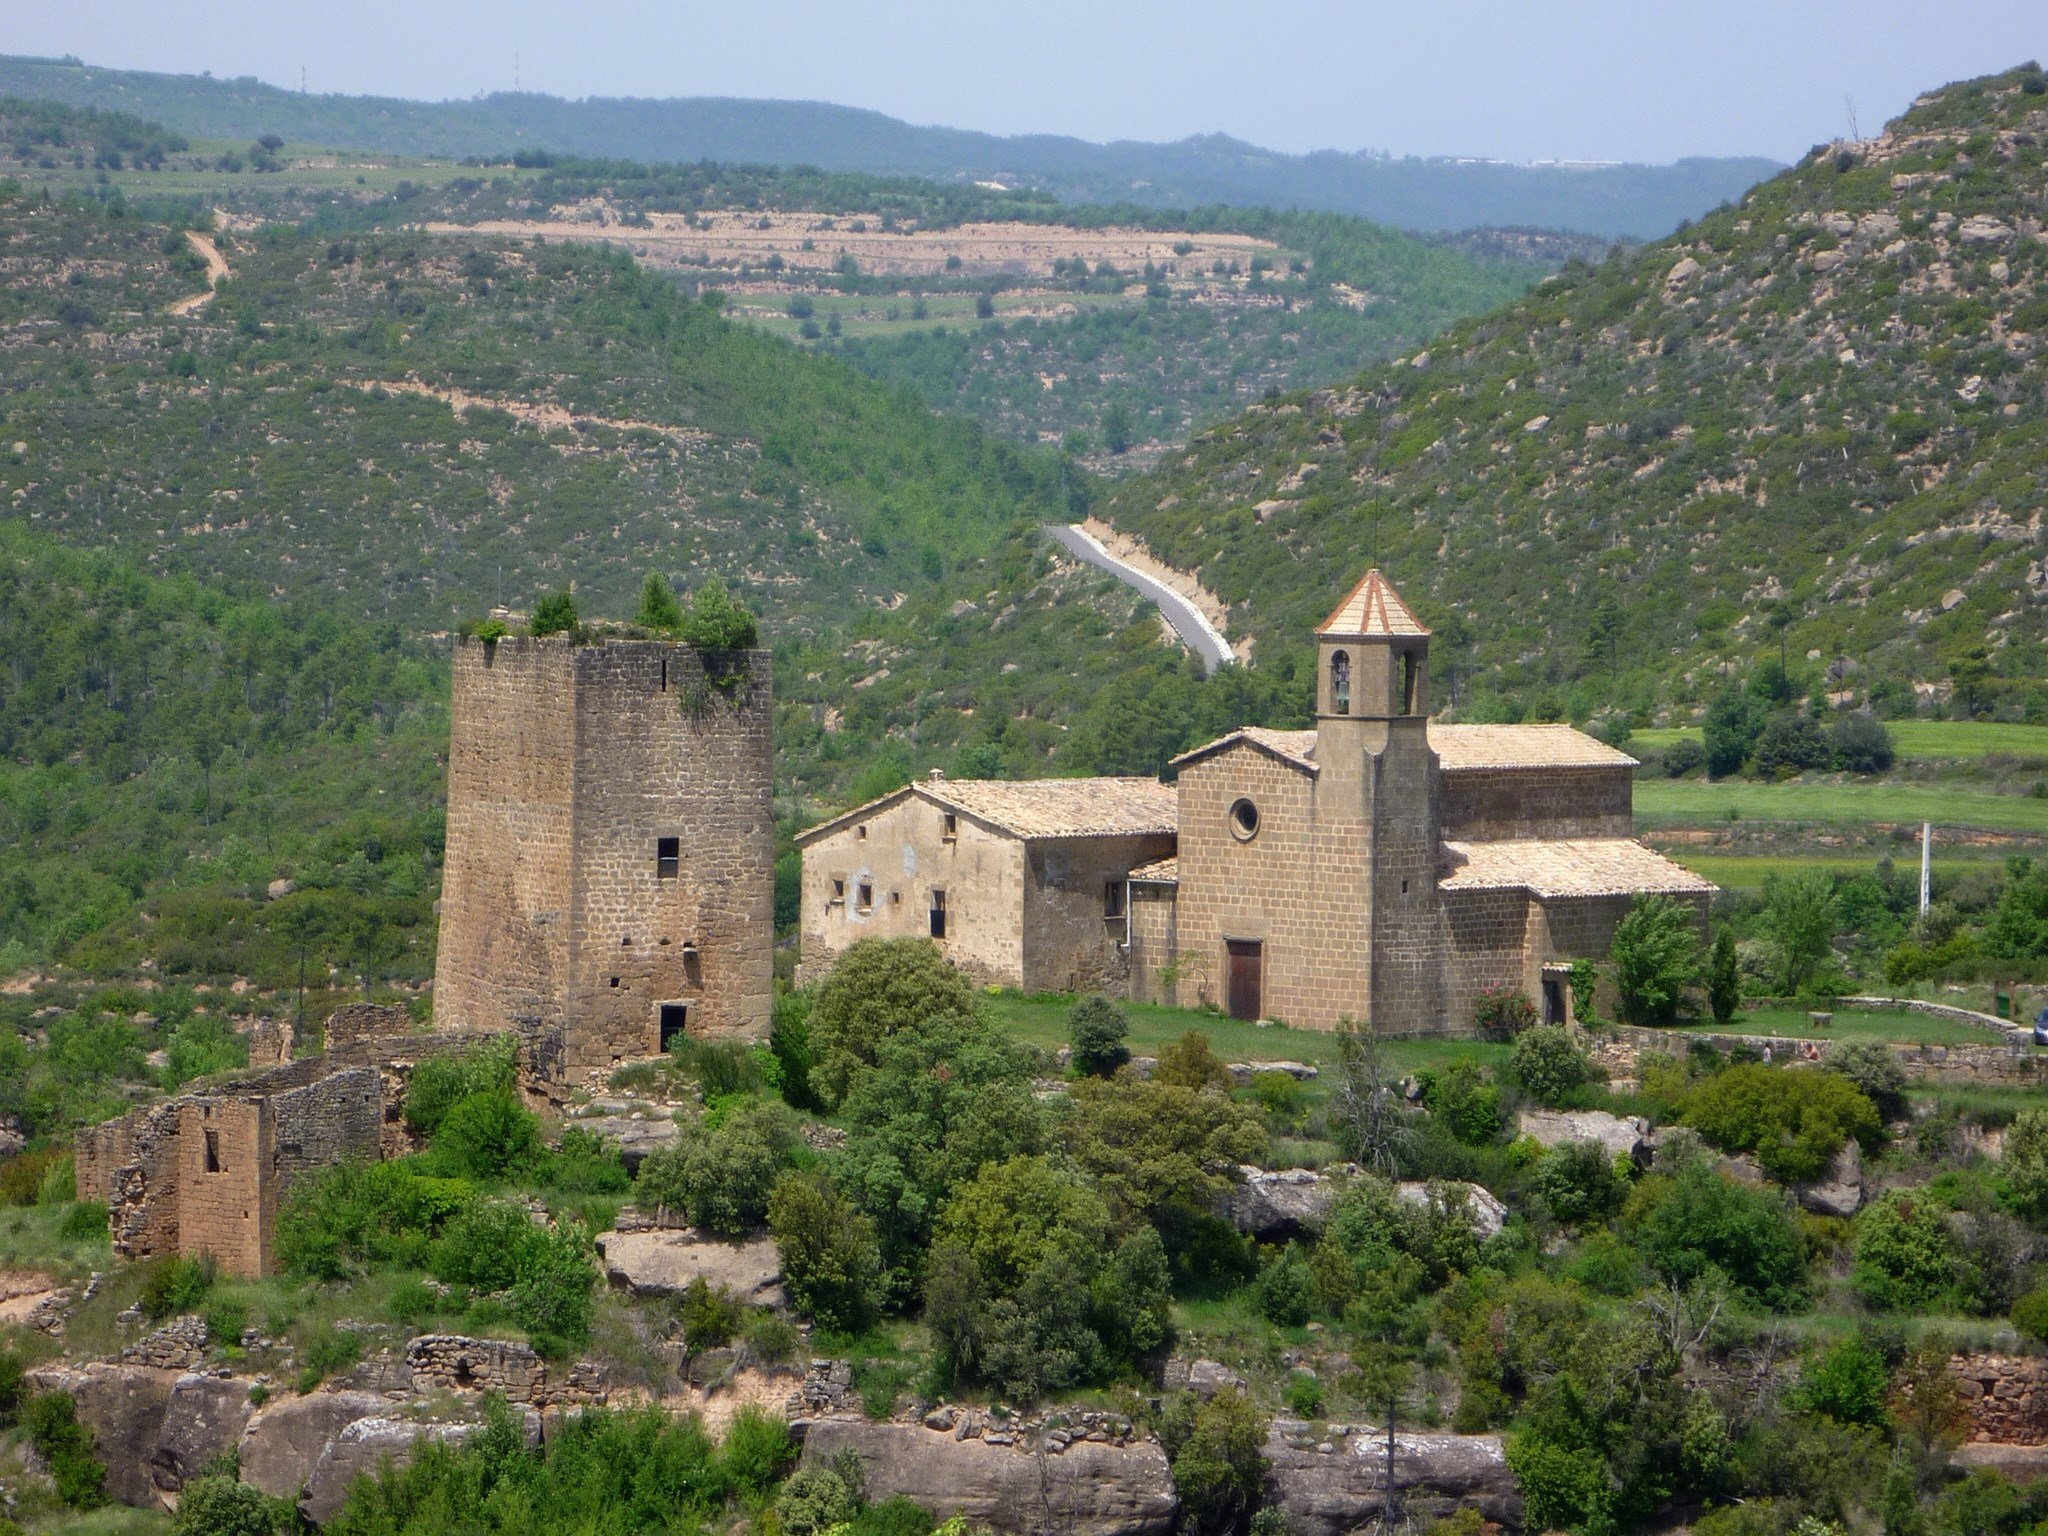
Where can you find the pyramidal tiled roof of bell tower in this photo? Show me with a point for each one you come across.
(1373, 608)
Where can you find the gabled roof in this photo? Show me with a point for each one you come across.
(1373, 608)
(1568, 866)
(1459, 748)
(1158, 872)
(1038, 808)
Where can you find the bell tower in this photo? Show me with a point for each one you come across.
(1377, 772)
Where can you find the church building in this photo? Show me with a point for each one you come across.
(1382, 867)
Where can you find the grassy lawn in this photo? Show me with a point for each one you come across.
(1794, 1024)
(1739, 872)
(1920, 738)
(1043, 1021)
(1697, 803)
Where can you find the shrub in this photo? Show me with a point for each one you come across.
(877, 987)
(1697, 1221)
(1502, 1013)
(831, 1263)
(789, 1041)
(659, 610)
(488, 1136)
(584, 1163)
(710, 1316)
(324, 1350)
(554, 614)
(480, 1247)
(83, 1222)
(721, 1174)
(218, 1505)
(1577, 1181)
(1546, 1064)
(716, 622)
(343, 1219)
(1906, 1259)
(2030, 1314)
(1216, 1452)
(816, 1499)
(770, 1336)
(1097, 1028)
(1792, 743)
(1875, 1071)
(441, 1081)
(1190, 1062)
(551, 1297)
(1684, 756)
(65, 1445)
(1848, 1383)
(2023, 1163)
(171, 1284)
(1794, 1121)
(1724, 977)
(1862, 744)
(1656, 956)
(1285, 1289)
(1463, 1102)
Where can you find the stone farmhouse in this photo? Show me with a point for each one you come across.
(610, 874)
(1382, 867)
(1021, 884)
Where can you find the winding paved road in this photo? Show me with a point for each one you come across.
(1195, 631)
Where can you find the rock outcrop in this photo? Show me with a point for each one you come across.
(124, 1407)
(366, 1446)
(1335, 1483)
(1290, 1201)
(1622, 1136)
(1839, 1191)
(204, 1419)
(663, 1263)
(1487, 1213)
(1042, 1482)
(285, 1440)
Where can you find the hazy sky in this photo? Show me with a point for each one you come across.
(1589, 79)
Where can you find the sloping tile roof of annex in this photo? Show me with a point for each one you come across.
(1568, 866)
(1037, 808)
(1372, 607)
(1459, 748)
(1158, 872)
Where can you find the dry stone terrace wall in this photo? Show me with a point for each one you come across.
(2005, 1397)
(1619, 1047)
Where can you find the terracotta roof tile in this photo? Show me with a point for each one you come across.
(1158, 872)
(1037, 807)
(1464, 748)
(1570, 866)
(1372, 608)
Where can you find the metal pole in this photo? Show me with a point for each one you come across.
(1390, 1507)
(1926, 861)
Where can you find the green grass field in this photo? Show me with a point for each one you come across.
(1918, 738)
(1697, 803)
(1795, 1024)
(1740, 872)
(337, 169)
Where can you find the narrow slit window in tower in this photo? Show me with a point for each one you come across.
(668, 857)
(213, 1152)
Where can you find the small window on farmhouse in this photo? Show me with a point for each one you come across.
(938, 914)
(1340, 682)
(1113, 898)
(213, 1151)
(668, 857)
(860, 834)
(951, 831)
(864, 895)
(895, 898)
(1244, 820)
(839, 890)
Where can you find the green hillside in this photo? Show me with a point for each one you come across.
(1822, 409)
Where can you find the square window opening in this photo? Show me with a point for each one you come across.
(865, 897)
(674, 1019)
(839, 890)
(668, 857)
(938, 914)
(213, 1152)
(951, 832)
(1113, 898)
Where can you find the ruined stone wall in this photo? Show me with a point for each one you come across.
(1990, 1063)
(223, 1171)
(1070, 942)
(1155, 944)
(2005, 1397)
(338, 1119)
(903, 854)
(359, 1032)
(1299, 887)
(503, 956)
(1489, 804)
(665, 749)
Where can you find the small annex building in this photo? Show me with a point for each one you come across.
(1019, 884)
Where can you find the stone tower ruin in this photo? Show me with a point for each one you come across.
(609, 881)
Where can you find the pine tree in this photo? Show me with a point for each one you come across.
(1724, 978)
(659, 609)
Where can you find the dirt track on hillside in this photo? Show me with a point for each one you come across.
(217, 272)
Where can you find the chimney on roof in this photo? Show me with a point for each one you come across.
(937, 776)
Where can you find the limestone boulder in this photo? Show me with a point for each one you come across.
(1487, 1213)
(663, 1263)
(1084, 1488)
(635, 1135)
(1204, 1378)
(2017, 1463)
(284, 1440)
(1279, 1202)
(124, 1407)
(1341, 1489)
(364, 1448)
(1621, 1135)
(204, 1419)
(1839, 1191)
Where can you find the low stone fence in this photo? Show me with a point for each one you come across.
(1618, 1047)
(2005, 1397)
(451, 1362)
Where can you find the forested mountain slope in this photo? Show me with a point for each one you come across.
(1642, 201)
(1814, 420)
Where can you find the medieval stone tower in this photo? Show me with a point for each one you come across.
(611, 847)
(1380, 776)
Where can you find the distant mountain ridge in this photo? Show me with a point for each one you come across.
(1634, 201)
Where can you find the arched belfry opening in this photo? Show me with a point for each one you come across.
(1340, 682)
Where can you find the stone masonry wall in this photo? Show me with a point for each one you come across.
(1990, 1063)
(903, 854)
(223, 1157)
(665, 749)
(1070, 945)
(1298, 887)
(1489, 804)
(503, 956)
(2005, 1397)
(1155, 944)
(1410, 944)
(1489, 948)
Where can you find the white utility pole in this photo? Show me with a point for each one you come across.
(1926, 861)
